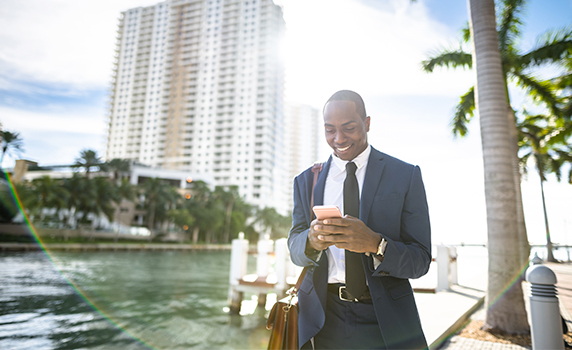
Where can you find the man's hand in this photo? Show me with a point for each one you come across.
(345, 233)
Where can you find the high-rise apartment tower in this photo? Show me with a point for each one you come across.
(305, 137)
(198, 86)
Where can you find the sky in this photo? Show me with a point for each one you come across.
(56, 64)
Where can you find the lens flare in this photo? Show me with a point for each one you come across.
(42, 246)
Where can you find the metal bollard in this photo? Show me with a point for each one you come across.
(545, 321)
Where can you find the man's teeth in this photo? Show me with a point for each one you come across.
(343, 149)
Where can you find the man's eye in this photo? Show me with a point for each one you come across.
(350, 129)
(329, 131)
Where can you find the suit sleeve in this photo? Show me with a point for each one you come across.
(300, 228)
(410, 256)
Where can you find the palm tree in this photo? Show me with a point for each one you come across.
(182, 218)
(272, 222)
(226, 199)
(553, 50)
(80, 195)
(156, 194)
(10, 141)
(106, 194)
(543, 143)
(8, 203)
(49, 194)
(26, 196)
(88, 159)
(119, 167)
(199, 206)
(241, 212)
(504, 300)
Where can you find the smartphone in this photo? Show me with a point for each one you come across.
(327, 211)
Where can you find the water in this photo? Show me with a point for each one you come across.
(164, 300)
(143, 300)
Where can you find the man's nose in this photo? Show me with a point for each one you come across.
(339, 137)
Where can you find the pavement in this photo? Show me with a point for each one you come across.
(444, 313)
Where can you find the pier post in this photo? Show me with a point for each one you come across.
(453, 262)
(446, 267)
(238, 260)
(262, 260)
(263, 263)
(545, 319)
(443, 275)
(280, 266)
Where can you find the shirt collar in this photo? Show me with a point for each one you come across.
(360, 160)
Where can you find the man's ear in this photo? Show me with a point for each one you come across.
(367, 120)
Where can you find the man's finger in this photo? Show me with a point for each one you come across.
(332, 239)
(336, 222)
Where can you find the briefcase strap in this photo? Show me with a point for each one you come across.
(316, 169)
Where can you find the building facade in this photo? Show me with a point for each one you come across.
(198, 86)
(304, 135)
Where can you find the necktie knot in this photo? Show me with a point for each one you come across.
(351, 167)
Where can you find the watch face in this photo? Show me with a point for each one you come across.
(381, 247)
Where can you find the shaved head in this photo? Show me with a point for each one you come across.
(348, 95)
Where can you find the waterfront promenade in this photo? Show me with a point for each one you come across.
(563, 273)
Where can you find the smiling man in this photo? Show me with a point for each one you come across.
(356, 294)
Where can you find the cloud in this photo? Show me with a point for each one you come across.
(56, 137)
(332, 45)
(64, 41)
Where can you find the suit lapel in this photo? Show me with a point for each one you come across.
(375, 165)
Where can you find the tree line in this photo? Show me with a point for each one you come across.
(199, 212)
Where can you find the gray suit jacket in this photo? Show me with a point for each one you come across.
(393, 204)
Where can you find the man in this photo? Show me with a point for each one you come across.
(388, 233)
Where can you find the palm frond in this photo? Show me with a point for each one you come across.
(563, 82)
(523, 162)
(551, 47)
(509, 22)
(464, 112)
(555, 166)
(540, 91)
(567, 110)
(466, 33)
(448, 58)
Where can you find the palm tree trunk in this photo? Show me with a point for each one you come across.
(151, 220)
(195, 235)
(227, 224)
(550, 255)
(522, 234)
(504, 299)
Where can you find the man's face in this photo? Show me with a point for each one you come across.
(346, 131)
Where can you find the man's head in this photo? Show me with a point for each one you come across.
(346, 124)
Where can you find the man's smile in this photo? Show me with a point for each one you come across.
(343, 149)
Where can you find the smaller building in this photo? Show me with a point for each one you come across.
(126, 216)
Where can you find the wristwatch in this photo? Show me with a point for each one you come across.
(381, 247)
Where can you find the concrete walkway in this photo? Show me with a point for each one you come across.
(444, 313)
(462, 302)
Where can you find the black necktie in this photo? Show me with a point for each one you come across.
(355, 277)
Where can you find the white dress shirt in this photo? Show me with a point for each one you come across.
(334, 195)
